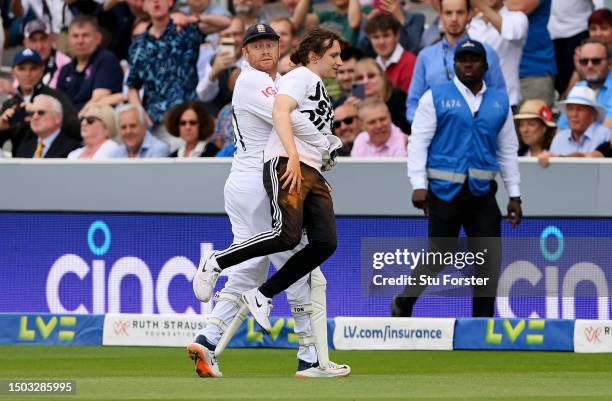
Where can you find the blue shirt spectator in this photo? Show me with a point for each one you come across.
(538, 54)
(102, 72)
(435, 65)
(564, 143)
(151, 147)
(94, 72)
(585, 132)
(165, 67)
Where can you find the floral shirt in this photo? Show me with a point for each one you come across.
(165, 68)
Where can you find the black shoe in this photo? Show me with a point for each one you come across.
(204, 341)
(402, 306)
(303, 365)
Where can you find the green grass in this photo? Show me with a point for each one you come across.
(130, 373)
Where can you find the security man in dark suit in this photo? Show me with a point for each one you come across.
(462, 136)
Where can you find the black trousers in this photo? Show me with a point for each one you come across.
(312, 210)
(564, 56)
(480, 218)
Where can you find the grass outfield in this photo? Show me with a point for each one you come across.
(129, 373)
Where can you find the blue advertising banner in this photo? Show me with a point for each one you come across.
(514, 334)
(142, 263)
(51, 329)
(250, 335)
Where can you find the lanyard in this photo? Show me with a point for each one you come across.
(446, 70)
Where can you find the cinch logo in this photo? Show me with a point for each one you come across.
(106, 283)
(512, 332)
(558, 290)
(31, 328)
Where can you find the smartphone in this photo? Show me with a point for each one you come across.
(359, 91)
(227, 46)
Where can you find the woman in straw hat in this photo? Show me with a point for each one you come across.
(535, 126)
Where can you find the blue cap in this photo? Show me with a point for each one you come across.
(471, 46)
(27, 55)
(259, 31)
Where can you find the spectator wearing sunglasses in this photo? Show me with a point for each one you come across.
(27, 71)
(49, 139)
(593, 67)
(98, 130)
(191, 122)
(346, 127)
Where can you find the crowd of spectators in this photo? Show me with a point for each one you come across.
(96, 79)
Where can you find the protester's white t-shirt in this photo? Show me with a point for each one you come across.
(314, 105)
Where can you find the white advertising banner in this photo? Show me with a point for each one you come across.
(371, 333)
(151, 330)
(593, 336)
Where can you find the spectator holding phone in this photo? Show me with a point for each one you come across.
(213, 86)
(346, 72)
(371, 81)
(345, 18)
(28, 72)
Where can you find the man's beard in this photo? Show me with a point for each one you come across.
(595, 82)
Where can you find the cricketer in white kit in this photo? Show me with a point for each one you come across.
(248, 207)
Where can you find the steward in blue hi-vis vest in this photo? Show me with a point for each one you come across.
(464, 146)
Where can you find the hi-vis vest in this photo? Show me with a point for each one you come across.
(464, 146)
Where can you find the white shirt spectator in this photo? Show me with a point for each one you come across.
(569, 18)
(60, 14)
(104, 151)
(424, 129)
(207, 89)
(508, 44)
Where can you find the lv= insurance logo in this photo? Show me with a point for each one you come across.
(30, 328)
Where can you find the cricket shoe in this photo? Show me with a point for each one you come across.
(206, 277)
(206, 364)
(313, 370)
(260, 306)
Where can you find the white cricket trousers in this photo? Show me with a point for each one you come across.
(248, 207)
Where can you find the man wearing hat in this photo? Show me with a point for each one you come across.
(37, 36)
(27, 72)
(248, 207)
(585, 117)
(462, 136)
(586, 132)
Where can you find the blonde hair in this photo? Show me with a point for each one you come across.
(105, 113)
(386, 87)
